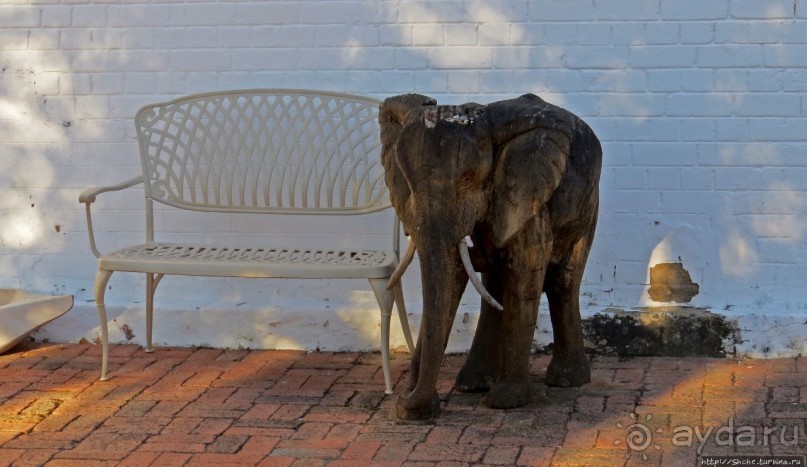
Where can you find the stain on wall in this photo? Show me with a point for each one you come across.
(666, 331)
(670, 282)
(127, 331)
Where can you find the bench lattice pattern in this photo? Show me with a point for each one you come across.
(263, 152)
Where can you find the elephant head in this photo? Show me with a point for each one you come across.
(457, 172)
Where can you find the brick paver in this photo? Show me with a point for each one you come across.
(180, 406)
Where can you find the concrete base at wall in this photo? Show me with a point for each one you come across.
(657, 331)
(670, 331)
(676, 331)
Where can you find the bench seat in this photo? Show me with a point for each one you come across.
(215, 261)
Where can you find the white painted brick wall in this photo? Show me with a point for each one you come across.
(701, 108)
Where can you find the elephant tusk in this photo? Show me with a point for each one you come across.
(395, 278)
(475, 280)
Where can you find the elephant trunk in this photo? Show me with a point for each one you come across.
(443, 284)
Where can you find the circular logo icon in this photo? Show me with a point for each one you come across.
(638, 436)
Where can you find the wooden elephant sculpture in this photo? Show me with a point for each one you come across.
(508, 189)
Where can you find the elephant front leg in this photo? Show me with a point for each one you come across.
(512, 387)
(522, 279)
(569, 365)
(441, 300)
(479, 371)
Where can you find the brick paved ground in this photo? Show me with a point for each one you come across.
(208, 406)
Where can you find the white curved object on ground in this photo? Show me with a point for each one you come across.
(21, 313)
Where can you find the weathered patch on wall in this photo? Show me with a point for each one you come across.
(667, 332)
(670, 331)
(670, 282)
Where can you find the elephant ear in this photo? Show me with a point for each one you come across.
(531, 146)
(391, 118)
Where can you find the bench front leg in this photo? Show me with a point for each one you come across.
(101, 280)
(152, 281)
(385, 300)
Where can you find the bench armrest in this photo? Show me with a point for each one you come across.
(88, 197)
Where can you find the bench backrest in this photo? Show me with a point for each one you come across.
(265, 150)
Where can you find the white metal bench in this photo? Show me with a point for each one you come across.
(257, 151)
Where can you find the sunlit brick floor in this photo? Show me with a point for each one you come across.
(207, 406)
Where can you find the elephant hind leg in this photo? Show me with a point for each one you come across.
(569, 365)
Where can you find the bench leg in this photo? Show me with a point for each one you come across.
(401, 306)
(385, 300)
(152, 281)
(101, 280)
